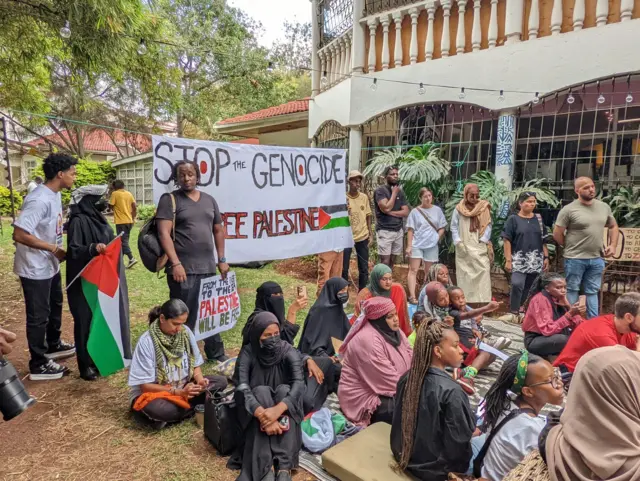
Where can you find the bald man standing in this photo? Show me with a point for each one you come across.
(579, 229)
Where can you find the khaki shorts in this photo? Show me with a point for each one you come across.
(390, 242)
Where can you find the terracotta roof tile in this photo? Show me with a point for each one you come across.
(99, 141)
(292, 107)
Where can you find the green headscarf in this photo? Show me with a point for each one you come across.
(521, 372)
(377, 273)
(171, 349)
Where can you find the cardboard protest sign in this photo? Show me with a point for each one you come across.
(218, 307)
(628, 248)
(276, 202)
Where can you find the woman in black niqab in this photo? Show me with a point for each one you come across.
(270, 298)
(270, 390)
(87, 229)
(326, 319)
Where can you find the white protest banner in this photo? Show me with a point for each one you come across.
(218, 307)
(276, 202)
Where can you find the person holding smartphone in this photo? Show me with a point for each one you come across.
(165, 377)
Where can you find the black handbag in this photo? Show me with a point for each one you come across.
(151, 253)
(221, 426)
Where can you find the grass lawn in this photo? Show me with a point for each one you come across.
(80, 430)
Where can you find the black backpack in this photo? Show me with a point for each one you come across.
(151, 253)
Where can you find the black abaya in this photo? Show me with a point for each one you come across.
(271, 377)
(326, 319)
(87, 228)
(266, 301)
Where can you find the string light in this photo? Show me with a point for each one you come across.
(374, 85)
(536, 99)
(501, 96)
(142, 48)
(462, 95)
(601, 99)
(421, 89)
(324, 80)
(629, 98)
(570, 98)
(65, 32)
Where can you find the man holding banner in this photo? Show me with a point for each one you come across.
(190, 229)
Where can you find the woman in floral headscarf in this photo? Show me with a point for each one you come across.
(471, 232)
(375, 355)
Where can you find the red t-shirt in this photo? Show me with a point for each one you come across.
(597, 332)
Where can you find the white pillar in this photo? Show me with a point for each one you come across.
(460, 35)
(556, 17)
(476, 33)
(413, 50)
(578, 15)
(315, 41)
(602, 11)
(513, 21)
(355, 147)
(493, 24)
(357, 38)
(341, 57)
(429, 44)
(334, 62)
(385, 20)
(506, 147)
(534, 20)
(446, 41)
(347, 55)
(397, 48)
(372, 24)
(626, 10)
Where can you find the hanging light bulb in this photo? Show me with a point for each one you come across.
(501, 96)
(374, 85)
(324, 80)
(65, 32)
(462, 95)
(536, 99)
(629, 98)
(421, 89)
(142, 48)
(601, 99)
(570, 98)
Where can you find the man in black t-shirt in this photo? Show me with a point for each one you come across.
(198, 232)
(391, 209)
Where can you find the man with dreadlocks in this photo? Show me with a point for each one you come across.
(190, 230)
(525, 384)
(432, 421)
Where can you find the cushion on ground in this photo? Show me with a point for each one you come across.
(364, 457)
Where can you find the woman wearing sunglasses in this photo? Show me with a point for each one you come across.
(512, 406)
(525, 251)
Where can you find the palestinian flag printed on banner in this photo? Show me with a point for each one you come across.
(105, 288)
(332, 216)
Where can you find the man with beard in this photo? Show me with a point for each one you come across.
(579, 229)
(622, 328)
(391, 209)
(190, 248)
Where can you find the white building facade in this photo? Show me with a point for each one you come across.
(526, 88)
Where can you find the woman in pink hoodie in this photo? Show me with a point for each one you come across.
(375, 354)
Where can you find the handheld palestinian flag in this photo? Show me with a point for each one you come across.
(105, 288)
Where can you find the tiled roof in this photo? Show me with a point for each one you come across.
(249, 141)
(99, 141)
(292, 107)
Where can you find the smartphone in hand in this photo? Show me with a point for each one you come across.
(582, 301)
(302, 292)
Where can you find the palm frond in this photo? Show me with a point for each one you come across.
(381, 160)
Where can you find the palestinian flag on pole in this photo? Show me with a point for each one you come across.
(332, 216)
(105, 288)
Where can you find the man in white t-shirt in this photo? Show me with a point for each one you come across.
(31, 186)
(39, 251)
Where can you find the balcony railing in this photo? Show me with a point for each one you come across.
(377, 6)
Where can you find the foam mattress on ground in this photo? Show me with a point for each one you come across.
(364, 457)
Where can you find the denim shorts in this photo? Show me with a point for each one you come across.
(430, 254)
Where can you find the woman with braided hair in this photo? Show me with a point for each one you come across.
(165, 377)
(432, 422)
(525, 384)
(549, 318)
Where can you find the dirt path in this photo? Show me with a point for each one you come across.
(81, 430)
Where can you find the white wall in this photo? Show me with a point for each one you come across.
(287, 138)
(543, 65)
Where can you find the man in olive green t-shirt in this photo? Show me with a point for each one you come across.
(579, 230)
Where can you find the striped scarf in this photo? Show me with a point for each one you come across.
(171, 349)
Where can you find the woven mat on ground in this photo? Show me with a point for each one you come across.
(312, 462)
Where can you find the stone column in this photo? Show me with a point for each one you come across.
(355, 147)
(315, 41)
(358, 38)
(513, 21)
(506, 150)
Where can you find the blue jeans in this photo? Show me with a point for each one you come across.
(477, 442)
(585, 273)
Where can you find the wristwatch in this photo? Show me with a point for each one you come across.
(222, 260)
